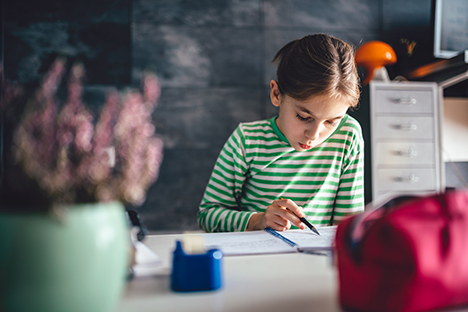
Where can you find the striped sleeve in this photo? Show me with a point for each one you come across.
(350, 194)
(219, 209)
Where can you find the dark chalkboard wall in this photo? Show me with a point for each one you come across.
(214, 60)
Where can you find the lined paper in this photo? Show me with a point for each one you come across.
(261, 242)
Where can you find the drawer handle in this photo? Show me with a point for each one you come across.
(411, 152)
(406, 101)
(411, 178)
(407, 126)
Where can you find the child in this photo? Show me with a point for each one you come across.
(307, 162)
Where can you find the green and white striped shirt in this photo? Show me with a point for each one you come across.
(257, 165)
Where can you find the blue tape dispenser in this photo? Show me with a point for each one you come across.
(195, 269)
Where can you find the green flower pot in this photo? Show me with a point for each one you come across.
(76, 264)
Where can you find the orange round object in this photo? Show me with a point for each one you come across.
(372, 55)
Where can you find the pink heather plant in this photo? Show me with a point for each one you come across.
(74, 159)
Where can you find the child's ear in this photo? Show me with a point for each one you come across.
(275, 94)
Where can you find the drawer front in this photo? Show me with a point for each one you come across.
(406, 179)
(404, 101)
(404, 128)
(397, 153)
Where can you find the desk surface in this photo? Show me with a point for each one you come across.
(277, 282)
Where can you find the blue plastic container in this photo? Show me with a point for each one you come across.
(196, 272)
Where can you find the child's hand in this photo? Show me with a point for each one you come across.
(278, 216)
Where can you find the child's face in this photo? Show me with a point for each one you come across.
(307, 123)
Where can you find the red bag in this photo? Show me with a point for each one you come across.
(408, 255)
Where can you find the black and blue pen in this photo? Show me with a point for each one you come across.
(304, 220)
(309, 225)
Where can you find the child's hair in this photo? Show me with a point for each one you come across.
(318, 65)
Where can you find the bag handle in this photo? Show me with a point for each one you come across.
(362, 223)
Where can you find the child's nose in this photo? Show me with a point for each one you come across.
(312, 133)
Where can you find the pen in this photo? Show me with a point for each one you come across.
(304, 220)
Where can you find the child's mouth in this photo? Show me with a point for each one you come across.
(304, 146)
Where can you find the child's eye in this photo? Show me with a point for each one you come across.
(302, 118)
(332, 123)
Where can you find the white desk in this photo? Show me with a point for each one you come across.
(281, 282)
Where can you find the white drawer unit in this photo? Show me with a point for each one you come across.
(404, 153)
(405, 134)
(404, 128)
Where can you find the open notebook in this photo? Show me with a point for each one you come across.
(270, 241)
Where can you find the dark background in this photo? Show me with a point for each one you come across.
(214, 60)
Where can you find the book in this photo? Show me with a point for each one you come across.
(269, 241)
(146, 261)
